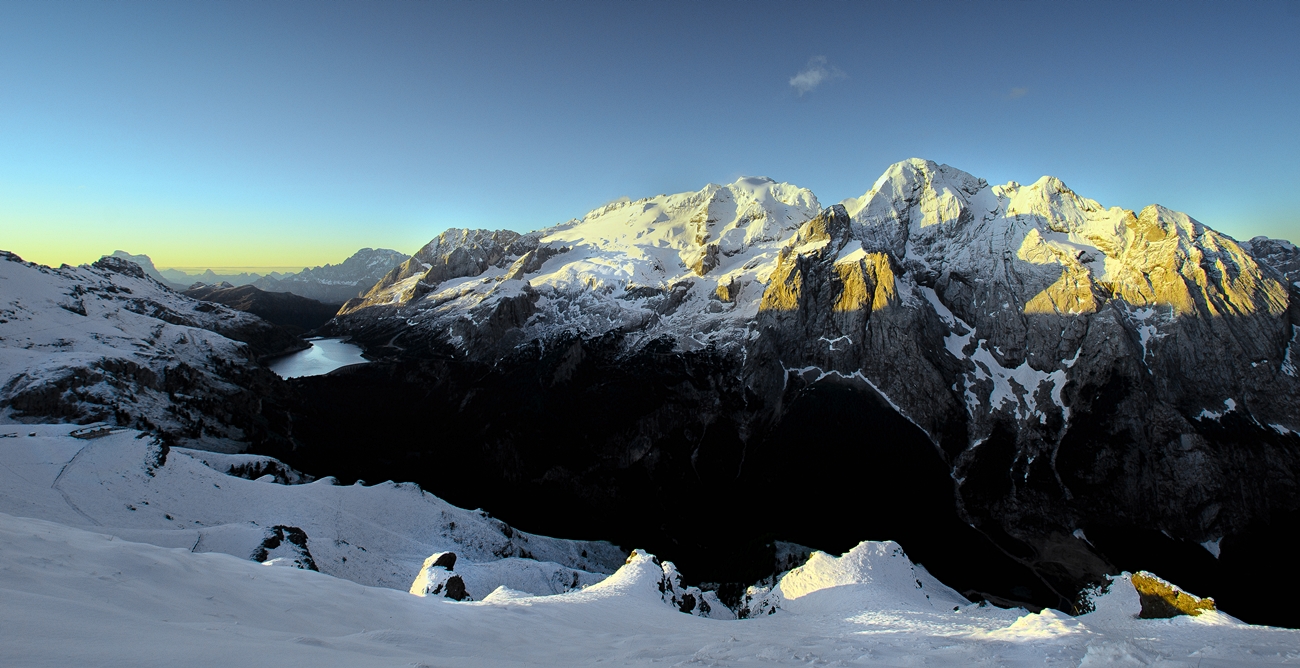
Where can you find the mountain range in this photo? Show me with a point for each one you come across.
(1079, 384)
(295, 313)
(330, 284)
(1028, 390)
(108, 343)
(336, 283)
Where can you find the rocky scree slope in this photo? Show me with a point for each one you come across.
(337, 283)
(105, 342)
(1085, 375)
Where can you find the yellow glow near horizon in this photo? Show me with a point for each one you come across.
(196, 256)
(191, 241)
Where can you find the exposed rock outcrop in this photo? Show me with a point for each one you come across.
(1278, 254)
(1162, 600)
(146, 263)
(285, 546)
(453, 254)
(437, 579)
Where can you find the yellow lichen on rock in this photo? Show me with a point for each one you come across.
(1162, 599)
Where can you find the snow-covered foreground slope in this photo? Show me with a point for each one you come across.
(75, 597)
(126, 485)
(143, 554)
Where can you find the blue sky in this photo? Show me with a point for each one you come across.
(291, 134)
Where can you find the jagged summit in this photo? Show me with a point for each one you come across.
(633, 247)
(1280, 254)
(146, 263)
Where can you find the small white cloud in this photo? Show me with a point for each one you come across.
(1017, 92)
(812, 76)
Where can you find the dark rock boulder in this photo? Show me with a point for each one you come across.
(437, 579)
(285, 546)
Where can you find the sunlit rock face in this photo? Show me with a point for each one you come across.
(1071, 365)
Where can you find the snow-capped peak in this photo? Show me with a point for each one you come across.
(699, 228)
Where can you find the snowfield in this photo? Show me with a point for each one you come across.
(141, 559)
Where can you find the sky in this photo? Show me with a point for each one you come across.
(232, 134)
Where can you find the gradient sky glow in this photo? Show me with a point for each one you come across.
(292, 134)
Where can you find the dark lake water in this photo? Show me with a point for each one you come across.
(324, 356)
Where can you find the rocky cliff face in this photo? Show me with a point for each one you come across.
(1082, 373)
(337, 283)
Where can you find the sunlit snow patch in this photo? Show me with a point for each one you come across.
(1036, 626)
(873, 574)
